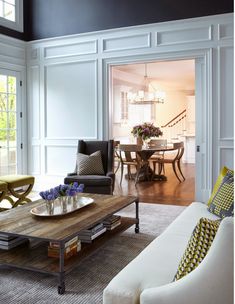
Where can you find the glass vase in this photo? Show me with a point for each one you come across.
(63, 203)
(72, 200)
(50, 206)
(146, 143)
(139, 141)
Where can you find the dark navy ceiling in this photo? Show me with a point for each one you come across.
(52, 18)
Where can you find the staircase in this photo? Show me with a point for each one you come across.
(175, 128)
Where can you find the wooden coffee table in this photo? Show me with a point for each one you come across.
(20, 222)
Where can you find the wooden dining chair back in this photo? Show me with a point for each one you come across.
(128, 157)
(174, 161)
(159, 143)
(117, 160)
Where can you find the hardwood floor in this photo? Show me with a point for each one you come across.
(170, 192)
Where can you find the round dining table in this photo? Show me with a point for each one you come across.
(145, 152)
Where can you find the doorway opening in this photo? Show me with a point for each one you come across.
(173, 82)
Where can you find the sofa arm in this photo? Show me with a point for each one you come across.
(112, 176)
(72, 174)
(211, 282)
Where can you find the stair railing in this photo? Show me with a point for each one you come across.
(175, 127)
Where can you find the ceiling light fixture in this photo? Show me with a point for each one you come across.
(148, 95)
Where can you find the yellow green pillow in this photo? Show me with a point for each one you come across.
(222, 203)
(198, 246)
(218, 182)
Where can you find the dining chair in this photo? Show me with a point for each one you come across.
(158, 142)
(129, 157)
(117, 159)
(153, 159)
(174, 161)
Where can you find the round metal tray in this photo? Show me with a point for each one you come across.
(59, 208)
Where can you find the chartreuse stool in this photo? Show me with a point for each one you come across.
(14, 182)
(3, 192)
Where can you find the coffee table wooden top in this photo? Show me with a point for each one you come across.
(20, 222)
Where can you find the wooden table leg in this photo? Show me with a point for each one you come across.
(137, 227)
(61, 286)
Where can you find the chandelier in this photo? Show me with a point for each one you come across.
(148, 94)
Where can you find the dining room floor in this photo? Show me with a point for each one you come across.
(170, 192)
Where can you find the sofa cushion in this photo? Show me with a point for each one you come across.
(90, 180)
(198, 246)
(222, 203)
(90, 164)
(218, 182)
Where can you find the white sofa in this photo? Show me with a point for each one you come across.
(148, 279)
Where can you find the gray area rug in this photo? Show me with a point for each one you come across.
(85, 283)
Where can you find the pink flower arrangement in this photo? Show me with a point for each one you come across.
(146, 131)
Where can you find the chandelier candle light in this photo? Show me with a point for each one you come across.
(146, 95)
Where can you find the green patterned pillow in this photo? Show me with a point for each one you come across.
(218, 182)
(198, 246)
(222, 203)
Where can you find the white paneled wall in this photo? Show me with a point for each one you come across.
(68, 88)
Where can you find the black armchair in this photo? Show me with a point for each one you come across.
(102, 184)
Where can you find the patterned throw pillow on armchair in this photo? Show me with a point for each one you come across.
(90, 164)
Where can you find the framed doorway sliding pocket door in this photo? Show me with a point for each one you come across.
(10, 123)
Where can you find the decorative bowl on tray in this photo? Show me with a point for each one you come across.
(58, 207)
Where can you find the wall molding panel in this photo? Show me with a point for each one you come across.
(36, 164)
(225, 31)
(225, 92)
(226, 156)
(129, 42)
(54, 154)
(12, 51)
(81, 48)
(183, 36)
(34, 107)
(72, 82)
(73, 85)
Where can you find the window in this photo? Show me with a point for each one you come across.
(10, 127)
(124, 106)
(11, 14)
